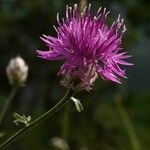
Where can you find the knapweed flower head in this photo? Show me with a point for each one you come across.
(17, 71)
(88, 47)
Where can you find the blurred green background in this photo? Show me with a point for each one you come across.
(99, 126)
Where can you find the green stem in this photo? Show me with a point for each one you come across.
(46, 115)
(83, 4)
(127, 124)
(7, 103)
(65, 123)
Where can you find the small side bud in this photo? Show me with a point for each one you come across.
(21, 119)
(17, 71)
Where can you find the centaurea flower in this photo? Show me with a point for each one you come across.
(88, 46)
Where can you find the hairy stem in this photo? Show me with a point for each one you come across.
(127, 124)
(46, 115)
(7, 103)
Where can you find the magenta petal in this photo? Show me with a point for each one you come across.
(109, 76)
(122, 62)
(49, 55)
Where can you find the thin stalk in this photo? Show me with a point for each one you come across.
(8, 102)
(127, 124)
(46, 115)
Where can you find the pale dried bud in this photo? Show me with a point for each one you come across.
(17, 71)
(59, 143)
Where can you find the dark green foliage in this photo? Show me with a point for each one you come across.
(98, 127)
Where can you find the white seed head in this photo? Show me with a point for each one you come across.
(17, 71)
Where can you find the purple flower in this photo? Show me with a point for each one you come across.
(88, 46)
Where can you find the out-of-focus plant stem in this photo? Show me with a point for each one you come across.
(65, 123)
(83, 4)
(127, 123)
(8, 102)
(44, 116)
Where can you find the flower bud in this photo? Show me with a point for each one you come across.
(17, 71)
